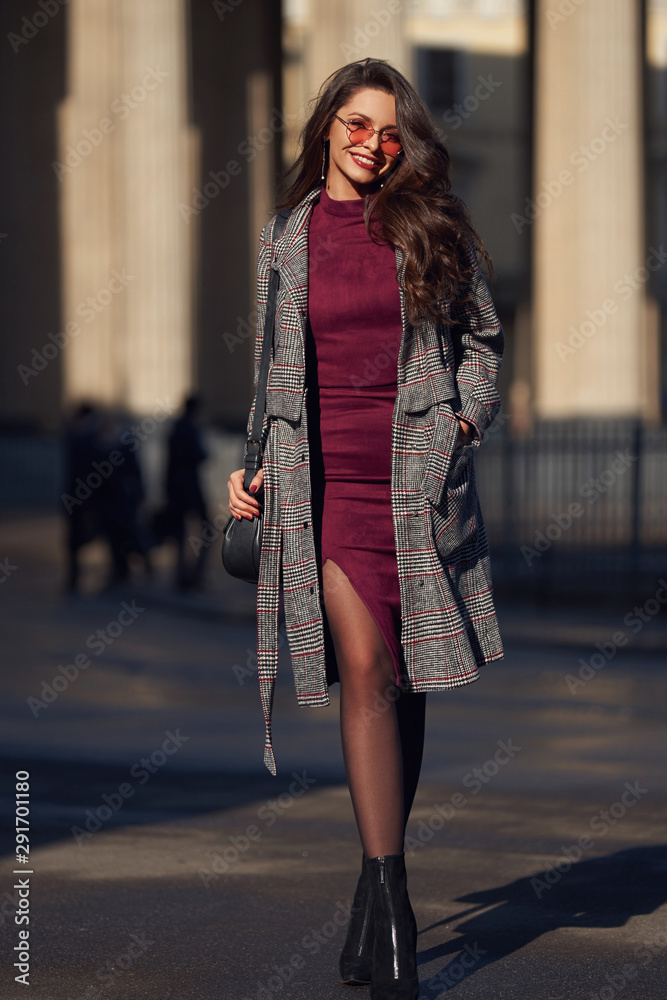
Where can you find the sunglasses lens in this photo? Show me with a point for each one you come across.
(358, 135)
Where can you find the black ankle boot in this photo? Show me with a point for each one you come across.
(394, 975)
(356, 958)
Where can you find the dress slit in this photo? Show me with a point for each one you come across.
(387, 634)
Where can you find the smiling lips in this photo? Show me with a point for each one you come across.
(365, 161)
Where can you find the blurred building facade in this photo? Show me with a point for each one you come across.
(145, 140)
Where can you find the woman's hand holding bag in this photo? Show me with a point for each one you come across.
(242, 541)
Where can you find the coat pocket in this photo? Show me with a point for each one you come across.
(446, 460)
(456, 521)
(449, 485)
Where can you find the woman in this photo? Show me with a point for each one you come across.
(383, 380)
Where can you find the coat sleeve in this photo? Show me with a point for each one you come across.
(478, 348)
(263, 266)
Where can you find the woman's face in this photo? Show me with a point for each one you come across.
(354, 167)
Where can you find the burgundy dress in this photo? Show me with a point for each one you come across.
(352, 345)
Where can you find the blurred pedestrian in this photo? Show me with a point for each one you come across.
(185, 496)
(81, 504)
(120, 497)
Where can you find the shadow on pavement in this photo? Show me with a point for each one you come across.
(598, 892)
(66, 794)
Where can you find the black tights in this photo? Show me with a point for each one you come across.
(382, 731)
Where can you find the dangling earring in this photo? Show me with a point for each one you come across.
(324, 156)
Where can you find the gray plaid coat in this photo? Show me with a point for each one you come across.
(449, 626)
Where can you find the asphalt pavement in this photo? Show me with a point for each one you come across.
(166, 863)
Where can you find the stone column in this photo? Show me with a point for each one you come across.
(260, 99)
(127, 158)
(595, 343)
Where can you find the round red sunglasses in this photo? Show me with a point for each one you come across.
(358, 132)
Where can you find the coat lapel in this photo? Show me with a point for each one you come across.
(290, 254)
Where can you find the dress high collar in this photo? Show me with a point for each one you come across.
(350, 207)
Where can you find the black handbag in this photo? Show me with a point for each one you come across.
(242, 540)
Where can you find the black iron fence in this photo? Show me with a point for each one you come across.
(576, 505)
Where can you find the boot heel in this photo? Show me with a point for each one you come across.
(356, 958)
(394, 969)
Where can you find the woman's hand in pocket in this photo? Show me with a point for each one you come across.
(466, 433)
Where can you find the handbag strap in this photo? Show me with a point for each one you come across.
(253, 456)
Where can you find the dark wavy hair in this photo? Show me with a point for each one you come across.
(414, 208)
